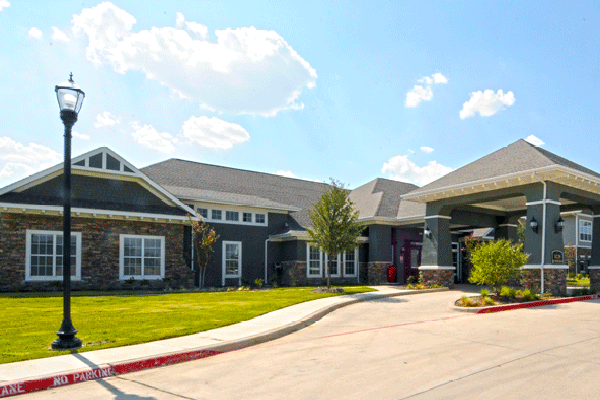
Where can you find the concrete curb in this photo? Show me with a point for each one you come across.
(508, 307)
(9, 389)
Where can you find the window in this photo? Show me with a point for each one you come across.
(44, 258)
(203, 212)
(350, 263)
(216, 214)
(232, 215)
(585, 230)
(335, 265)
(232, 260)
(314, 261)
(142, 257)
(259, 218)
(247, 217)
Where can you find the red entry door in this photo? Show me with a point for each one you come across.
(412, 259)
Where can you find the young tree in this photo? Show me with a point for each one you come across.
(496, 263)
(204, 237)
(334, 226)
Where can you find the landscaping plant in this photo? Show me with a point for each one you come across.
(204, 239)
(496, 263)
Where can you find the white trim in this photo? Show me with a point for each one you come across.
(438, 216)
(338, 263)
(54, 277)
(545, 201)
(594, 267)
(224, 212)
(142, 276)
(59, 209)
(594, 216)
(355, 264)
(434, 268)
(511, 225)
(223, 259)
(308, 259)
(545, 266)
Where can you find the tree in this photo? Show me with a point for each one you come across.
(521, 230)
(334, 224)
(496, 263)
(204, 237)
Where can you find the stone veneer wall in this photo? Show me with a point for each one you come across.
(442, 277)
(595, 279)
(377, 272)
(294, 274)
(555, 280)
(99, 253)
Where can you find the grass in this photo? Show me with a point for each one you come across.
(578, 282)
(30, 322)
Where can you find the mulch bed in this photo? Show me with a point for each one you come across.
(501, 300)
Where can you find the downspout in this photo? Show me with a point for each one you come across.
(266, 262)
(543, 238)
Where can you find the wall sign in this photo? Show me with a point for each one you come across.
(557, 257)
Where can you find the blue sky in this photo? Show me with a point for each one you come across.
(311, 89)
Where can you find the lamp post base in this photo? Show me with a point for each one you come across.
(66, 342)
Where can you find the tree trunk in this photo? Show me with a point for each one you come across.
(328, 271)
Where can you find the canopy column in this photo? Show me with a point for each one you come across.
(436, 260)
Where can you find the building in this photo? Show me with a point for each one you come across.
(131, 229)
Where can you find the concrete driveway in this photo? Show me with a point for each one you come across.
(396, 348)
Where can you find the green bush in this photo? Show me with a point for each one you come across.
(570, 275)
(467, 302)
(528, 295)
(496, 263)
(411, 279)
(488, 301)
(258, 282)
(484, 293)
(509, 292)
(579, 276)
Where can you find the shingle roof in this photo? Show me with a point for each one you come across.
(381, 198)
(517, 157)
(181, 176)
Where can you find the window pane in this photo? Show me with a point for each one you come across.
(350, 266)
(232, 216)
(247, 217)
(259, 218)
(216, 214)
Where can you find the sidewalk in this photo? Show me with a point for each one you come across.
(32, 375)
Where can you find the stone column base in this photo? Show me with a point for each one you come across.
(555, 279)
(594, 277)
(443, 276)
(377, 272)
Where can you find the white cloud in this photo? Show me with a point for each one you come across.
(400, 168)
(4, 4)
(198, 29)
(35, 33)
(17, 160)
(290, 174)
(106, 119)
(214, 132)
(149, 137)
(534, 140)
(80, 135)
(417, 95)
(486, 103)
(59, 35)
(420, 93)
(411, 151)
(247, 70)
(426, 149)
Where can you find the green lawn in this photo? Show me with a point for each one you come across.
(107, 321)
(578, 282)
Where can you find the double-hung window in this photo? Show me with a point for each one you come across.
(44, 255)
(350, 263)
(142, 257)
(335, 265)
(233, 216)
(247, 217)
(259, 218)
(232, 260)
(585, 230)
(314, 269)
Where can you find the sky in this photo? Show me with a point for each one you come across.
(317, 90)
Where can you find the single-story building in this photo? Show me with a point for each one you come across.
(131, 226)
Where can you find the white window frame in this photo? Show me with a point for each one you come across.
(251, 213)
(143, 276)
(355, 274)
(263, 215)
(28, 276)
(201, 211)
(583, 222)
(212, 211)
(308, 260)
(246, 214)
(224, 253)
(229, 214)
(338, 262)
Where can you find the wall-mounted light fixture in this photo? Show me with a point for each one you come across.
(560, 225)
(427, 231)
(534, 225)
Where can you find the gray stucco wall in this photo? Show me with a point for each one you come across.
(380, 243)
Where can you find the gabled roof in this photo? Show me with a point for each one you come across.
(225, 185)
(380, 200)
(516, 164)
(98, 164)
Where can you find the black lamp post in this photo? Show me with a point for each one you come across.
(70, 98)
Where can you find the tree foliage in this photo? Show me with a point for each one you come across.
(204, 237)
(496, 263)
(334, 223)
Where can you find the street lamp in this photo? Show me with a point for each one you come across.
(70, 98)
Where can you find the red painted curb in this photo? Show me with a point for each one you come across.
(536, 304)
(34, 385)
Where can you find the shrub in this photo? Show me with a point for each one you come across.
(467, 302)
(484, 293)
(496, 263)
(488, 301)
(258, 282)
(411, 279)
(571, 275)
(593, 290)
(579, 276)
(509, 292)
(528, 295)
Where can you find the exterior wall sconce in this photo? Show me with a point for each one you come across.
(534, 225)
(427, 232)
(560, 225)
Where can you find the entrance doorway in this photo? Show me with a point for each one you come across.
(411, 257)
